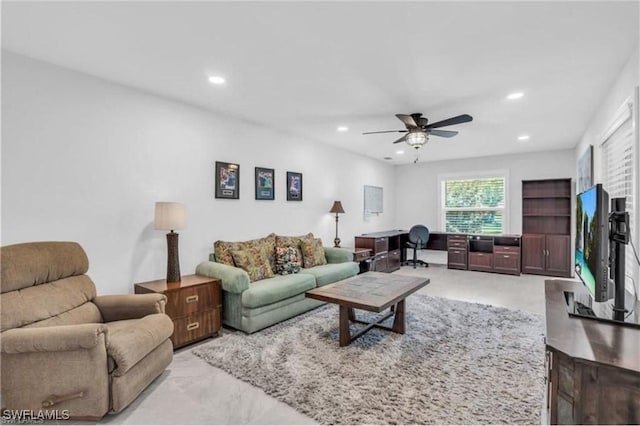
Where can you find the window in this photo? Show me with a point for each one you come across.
(474, 205)
(617, 173)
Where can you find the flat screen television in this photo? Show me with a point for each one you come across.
(593, 262)
(592, 242)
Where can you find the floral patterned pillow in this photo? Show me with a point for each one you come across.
(223, 249)
(256, 263)
(287, 261)
(313, 252)
(284, 241)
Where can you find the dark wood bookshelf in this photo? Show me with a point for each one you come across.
(546, 227)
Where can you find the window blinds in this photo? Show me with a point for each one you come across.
(617, 172)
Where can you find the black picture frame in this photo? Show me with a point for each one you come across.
(227, 180)
(294, 186)
(265, 183)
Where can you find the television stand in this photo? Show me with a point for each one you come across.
(593, 367)
(582, 305)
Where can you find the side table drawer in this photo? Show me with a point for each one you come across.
(195, 327)
(190, 300)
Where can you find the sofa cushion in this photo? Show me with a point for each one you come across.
(287, 261)
(129, 341)
(222, 249)
(277, 288)
(312, 252)
(50, 300)
(255, 261)
(332, 272)
(31, 264)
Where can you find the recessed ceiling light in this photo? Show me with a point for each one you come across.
(216, 79)
(523, 137)
(515, 95)
(400, 152)
(342, 129)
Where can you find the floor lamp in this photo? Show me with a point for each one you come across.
(336, 208)
(170, 216)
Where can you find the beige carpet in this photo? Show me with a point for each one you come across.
(458, 363)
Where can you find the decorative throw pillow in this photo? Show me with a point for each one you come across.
(223, 249)
(284, 241)
(312, 252)
(287, 261)
(256, 263)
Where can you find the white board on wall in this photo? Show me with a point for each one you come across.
(372, 200)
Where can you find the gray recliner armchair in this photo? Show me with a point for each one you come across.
(65, 348)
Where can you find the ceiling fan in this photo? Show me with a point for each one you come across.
(419, 129)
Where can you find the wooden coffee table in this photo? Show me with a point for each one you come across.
(371, 291)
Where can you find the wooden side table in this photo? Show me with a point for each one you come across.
(194, 304)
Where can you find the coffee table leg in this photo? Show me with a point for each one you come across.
(345, 334)
(399, 320)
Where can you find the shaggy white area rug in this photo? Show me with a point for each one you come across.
(458, 363)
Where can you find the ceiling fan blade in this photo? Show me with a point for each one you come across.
(451, 121)
(386, 131)
(407, 120)
(402, 139)
(443, 133)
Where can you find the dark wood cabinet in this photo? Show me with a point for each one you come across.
(506, 258)
(385, 248)
(546, 227)
(479, 261)
(457, 252)
(546, 255)
(533, 254)
(592, 367)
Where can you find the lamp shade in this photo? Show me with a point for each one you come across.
(337, 207)
(169, 216)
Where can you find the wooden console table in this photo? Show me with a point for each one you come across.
(593, 367)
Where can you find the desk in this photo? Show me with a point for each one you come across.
(593, 367)
(487, 253)
(386, 248)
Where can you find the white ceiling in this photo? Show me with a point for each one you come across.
(307, 67)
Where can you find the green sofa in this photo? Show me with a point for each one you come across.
(252, 306)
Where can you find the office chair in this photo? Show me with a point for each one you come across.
(418, 238)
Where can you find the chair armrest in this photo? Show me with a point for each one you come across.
(52, 339)
(118, 307)
(234, 280)
(338, 255)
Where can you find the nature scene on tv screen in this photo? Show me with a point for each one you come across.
(586, 238)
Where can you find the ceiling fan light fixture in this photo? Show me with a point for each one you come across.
(416, 139)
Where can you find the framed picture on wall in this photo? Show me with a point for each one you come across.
(585, 170)
(264, 183)
(227, 180)
(294, 186)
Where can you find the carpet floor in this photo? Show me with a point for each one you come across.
(458, 363)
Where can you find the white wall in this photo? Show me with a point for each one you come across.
(85, 160)
(417, 184)
(623, 90)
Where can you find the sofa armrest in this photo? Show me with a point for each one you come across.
(338, 255)
(116, 307)
(234, 280)
(52, 339)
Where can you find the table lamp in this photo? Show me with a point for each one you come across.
(170, 216)
(336, 208)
